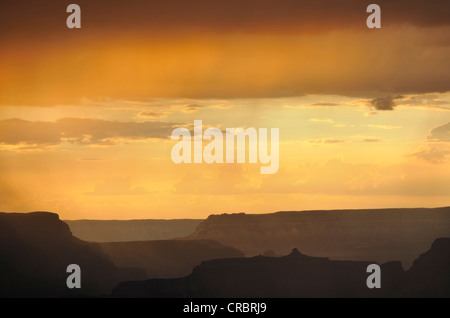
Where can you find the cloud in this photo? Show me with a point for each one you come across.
(372, 140)
(81, 131)
(219, 16)
(436, 148)
(117, 186)
(427, 101)
(160, 108)
(191, 108)
(322, 120)
(353, 103)
(384, 103)
(326, 141)
(326, 104)
(433, 153)
(151, 114)
(384, 126)
(440, 133)
(194, 49)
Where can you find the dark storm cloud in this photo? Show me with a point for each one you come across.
(40, 18)
(214, 49)
(384, 103)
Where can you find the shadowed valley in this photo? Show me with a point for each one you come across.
(167, 258)
(131, 230)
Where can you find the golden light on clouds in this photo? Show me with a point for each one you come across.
(86, 116)
(350, 63)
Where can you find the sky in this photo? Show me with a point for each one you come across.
(86, 114)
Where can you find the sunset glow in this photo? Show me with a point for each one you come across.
(86, 115)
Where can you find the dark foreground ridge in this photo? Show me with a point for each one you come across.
(298, 275)
(36, 249)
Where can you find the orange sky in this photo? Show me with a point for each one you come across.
(86, 115)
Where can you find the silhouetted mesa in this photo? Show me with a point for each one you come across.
(380, 234)
(295, 275)
(131, 230)
(168, 258)
(36, 249)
